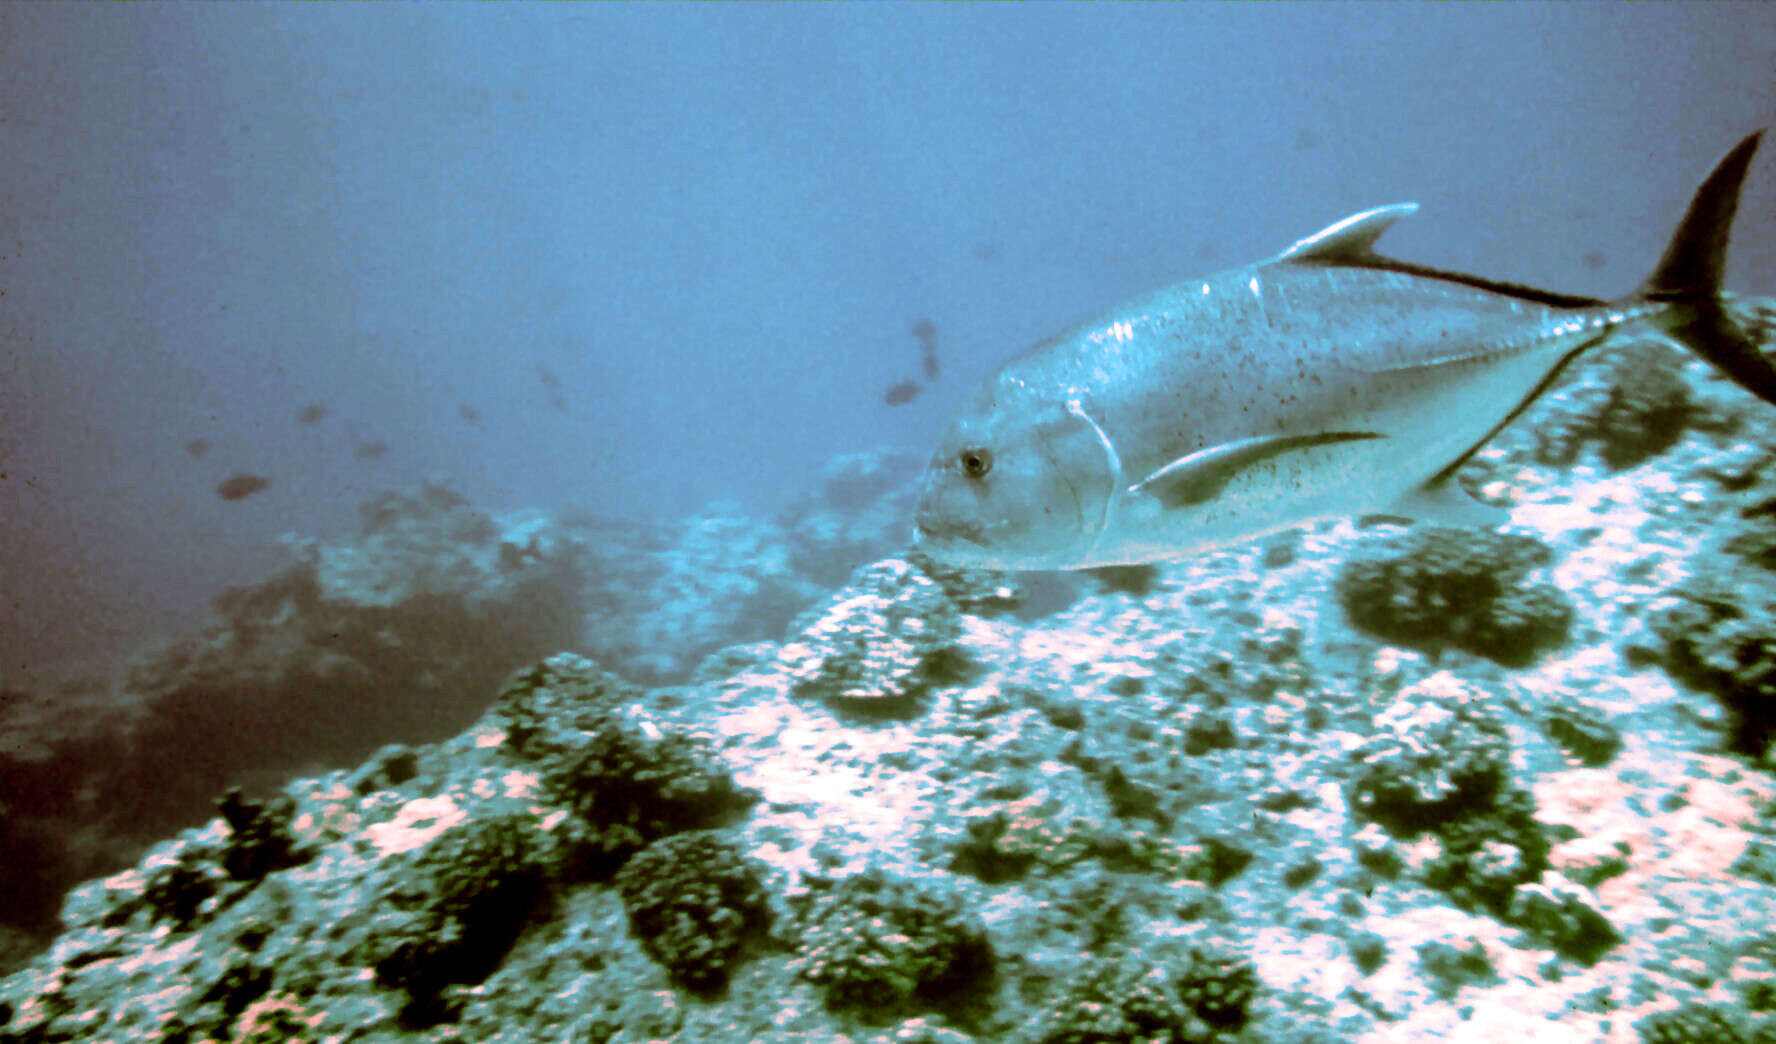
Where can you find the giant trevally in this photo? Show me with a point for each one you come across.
(1325, 382)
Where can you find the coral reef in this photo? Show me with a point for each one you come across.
(814, 789)
(662, 599)
(398, 635)
(1438, 753)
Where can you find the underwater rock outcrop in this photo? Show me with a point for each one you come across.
(398, 635)
(879, 644)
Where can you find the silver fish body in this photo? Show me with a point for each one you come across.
(1325, 382)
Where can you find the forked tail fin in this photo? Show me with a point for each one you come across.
(1689, 277)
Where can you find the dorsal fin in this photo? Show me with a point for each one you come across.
(1349, 241)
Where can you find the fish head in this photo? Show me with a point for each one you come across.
(1018, 482)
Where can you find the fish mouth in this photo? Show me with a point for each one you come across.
(940, 530)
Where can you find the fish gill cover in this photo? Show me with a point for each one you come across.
(1210, 803)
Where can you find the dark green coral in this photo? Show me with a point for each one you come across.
(1199, 995)
(1722, 639)
(628, 785)
(454, 911)
(1457, 588)
(694, 900)
(1689, 1024)
(879, 945)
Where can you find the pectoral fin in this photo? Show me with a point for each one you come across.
(1201, 476)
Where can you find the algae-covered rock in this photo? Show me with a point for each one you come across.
(1438, 752)
(1630, 403)
(1450, 966)
(1439, 762)
(548, 707)
(1567, 915)
(1582, 729)
(1690, 1023)
(877, 645)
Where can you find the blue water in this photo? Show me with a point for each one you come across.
(665, 255)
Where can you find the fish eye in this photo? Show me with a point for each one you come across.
(976, 461)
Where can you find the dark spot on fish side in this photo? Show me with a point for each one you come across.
(311, 414)
(925, 330)
(197, 447)
(371, 450)
(469, 413)
(241, 486)
(1306, 139)
(1595, 260)
(901, 394)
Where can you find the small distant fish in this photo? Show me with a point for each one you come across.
(468, 413)
(374, 450)
(197, 447)
(240, 486)
(311, 414)
(552, 387)
(901, 394)
(1327, 382)
(926, 331)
